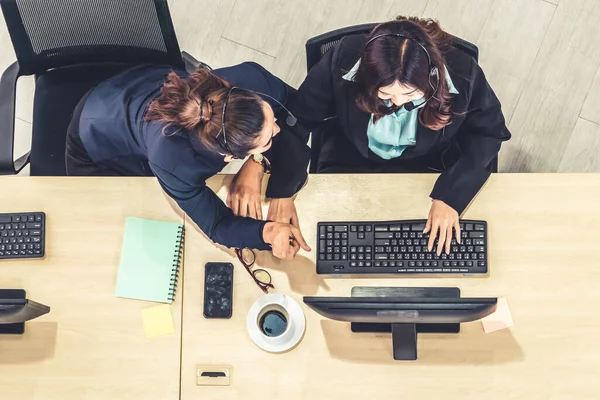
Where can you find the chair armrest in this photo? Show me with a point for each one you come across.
(8, 92)
(191, 64)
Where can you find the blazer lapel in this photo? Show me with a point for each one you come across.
(356, 120)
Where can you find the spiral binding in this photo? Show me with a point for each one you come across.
(177, 258)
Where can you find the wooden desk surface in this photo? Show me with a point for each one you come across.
(544, 237)
(92, 344)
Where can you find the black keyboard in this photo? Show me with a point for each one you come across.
(397, 247)
(22, 235)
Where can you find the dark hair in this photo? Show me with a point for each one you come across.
(195, 104)
(391, 58)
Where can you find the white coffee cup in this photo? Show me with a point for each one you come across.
(276, 323)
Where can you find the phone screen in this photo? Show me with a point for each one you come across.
(218, 290)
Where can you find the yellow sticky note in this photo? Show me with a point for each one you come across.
(158, 320)
(500, 319)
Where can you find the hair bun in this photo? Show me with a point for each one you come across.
(206, 111)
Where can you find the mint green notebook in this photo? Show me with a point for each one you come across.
(150, 258)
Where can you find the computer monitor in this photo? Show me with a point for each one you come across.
(404, 312)
(15, 309)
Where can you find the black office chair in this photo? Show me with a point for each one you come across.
(71, 46)
(317, 46)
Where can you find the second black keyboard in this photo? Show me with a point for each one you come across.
(398, 247)
(22, 235)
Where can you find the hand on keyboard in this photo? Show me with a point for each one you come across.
(442, 218)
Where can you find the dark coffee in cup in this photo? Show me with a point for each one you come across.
(273, 323)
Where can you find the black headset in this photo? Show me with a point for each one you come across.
(290, 120)
(433, 71)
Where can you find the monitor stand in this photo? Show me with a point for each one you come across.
(12, 329)
(404, 336)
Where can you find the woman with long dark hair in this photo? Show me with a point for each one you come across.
(401, 99)
(184, 128)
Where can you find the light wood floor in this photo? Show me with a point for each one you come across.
(541, 57)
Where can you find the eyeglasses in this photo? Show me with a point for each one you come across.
(262, 278)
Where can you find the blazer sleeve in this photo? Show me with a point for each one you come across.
(479, 139)
(311, 104)
(211, 215)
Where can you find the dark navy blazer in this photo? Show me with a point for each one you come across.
(115, 135)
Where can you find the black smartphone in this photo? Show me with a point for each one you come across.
(218, 290)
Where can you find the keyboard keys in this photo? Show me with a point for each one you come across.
(384, 235)
(399, 245)
(15, 231)
(418, 227)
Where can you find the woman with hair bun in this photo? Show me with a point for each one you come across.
(184, 128)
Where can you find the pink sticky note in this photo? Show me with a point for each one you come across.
(500, 319)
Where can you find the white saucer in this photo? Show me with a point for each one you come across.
(295, 328)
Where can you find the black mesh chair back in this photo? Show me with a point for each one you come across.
(71, 46)
(50, 34)
(317, 46)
